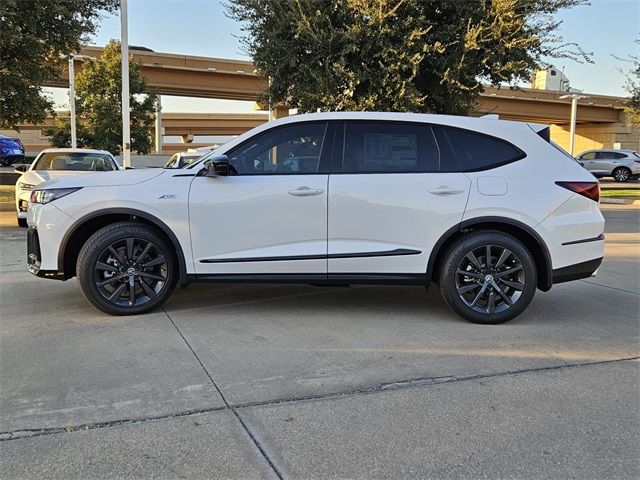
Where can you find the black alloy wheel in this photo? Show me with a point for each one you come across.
(126, 268)
(130, 272)
(488, 277)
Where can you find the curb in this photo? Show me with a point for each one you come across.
(620, 201)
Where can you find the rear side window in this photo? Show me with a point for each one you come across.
(388, 147)
(467, 151)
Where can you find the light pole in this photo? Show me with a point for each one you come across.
(574, 110)
(124, 50)
(72, 94)
(72, 102)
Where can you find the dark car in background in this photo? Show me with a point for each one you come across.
(11, 151)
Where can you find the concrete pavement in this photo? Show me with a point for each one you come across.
(304, 382)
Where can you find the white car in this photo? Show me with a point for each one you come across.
(489, 209)
(54, 163)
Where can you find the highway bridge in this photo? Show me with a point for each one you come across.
(600, 118)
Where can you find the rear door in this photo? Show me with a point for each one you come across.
(606, 162)
(388, 201)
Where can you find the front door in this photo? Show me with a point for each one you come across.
(588, 161)
(270, 217)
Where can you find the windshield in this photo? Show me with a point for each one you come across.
(77, 161)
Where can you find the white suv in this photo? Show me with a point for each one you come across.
(489, 209)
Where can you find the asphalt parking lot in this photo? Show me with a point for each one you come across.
(276, 381)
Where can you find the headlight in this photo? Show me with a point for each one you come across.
(25, 186)
(49, 195)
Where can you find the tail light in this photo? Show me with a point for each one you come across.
(591, 190)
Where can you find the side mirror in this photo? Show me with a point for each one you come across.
(218, 166)
(21, 167)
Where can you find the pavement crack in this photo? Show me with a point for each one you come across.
(366, 389)
(36, 432)
(610, 287)
(244, 425)
(425, 381)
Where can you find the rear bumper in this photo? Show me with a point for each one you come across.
(576, 271)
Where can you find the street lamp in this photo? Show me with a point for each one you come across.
(124, 50)
(72, 94)
(574, 110)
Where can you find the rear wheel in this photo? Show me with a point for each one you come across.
(126, 269)
(621, 174)
(488, 277)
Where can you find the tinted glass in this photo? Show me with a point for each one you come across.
(80, 161)
(294, 149)
(588, 156)
(389, 147)
(605, 155)
(471, 151)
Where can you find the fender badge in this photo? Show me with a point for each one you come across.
(168, 196)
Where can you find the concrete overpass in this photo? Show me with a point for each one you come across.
(600, 117)
(203, 77)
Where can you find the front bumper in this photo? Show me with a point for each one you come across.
(576, 271)
(34, 257)
(22, 203)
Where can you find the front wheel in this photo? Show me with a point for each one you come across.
(488, 277)
(126, 268)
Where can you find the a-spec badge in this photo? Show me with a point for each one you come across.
(168, 196)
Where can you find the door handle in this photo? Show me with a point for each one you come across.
(445, 190)
(305, 191)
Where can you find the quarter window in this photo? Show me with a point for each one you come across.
(293, 149)
(467, 151)
(380, 147)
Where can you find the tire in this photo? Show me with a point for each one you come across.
(125, 255)
(475, 295)
(22, 222)
(621, 174)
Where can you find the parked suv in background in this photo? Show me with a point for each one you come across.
(11, 151)
(622, 165)
(489, 209)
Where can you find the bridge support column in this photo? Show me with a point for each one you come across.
(159, 146)
(280, 112)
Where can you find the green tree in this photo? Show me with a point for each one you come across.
(405, 55)
(98, 105)
(632, 104)
(33, 35)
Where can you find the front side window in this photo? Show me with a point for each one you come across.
(292, 149)
(467, 151)
(381, 147)
(588, 156)
(77, 161)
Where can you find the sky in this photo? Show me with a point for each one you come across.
(607, 28)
